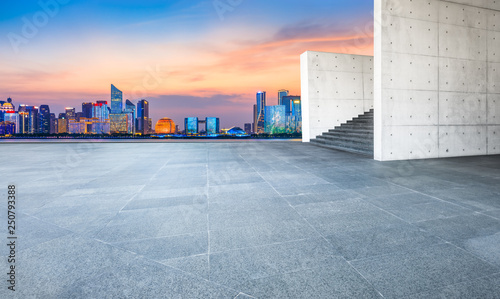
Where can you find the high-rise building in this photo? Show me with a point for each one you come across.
(13, 117)
(132, 116)
(275, 119)
(191, 125)
(62, 124)
(29, 123)
(254, 124)
(116, 100)
(119, 123)
(293, 112)
(70, 113)
(261, 104)
(88, 110)
(44, 119)
(212, 125)
(53, 129)
(248, 128)
(7, 128)
(282, 93)
(101, 110)
(143, 125)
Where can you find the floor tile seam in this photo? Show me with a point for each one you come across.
(140, 256)
(130, 200)
(418, 247)
(454, 284)
(207, 188)
(331, 246)
(428, 195)
(244, 295)
(473, 213)
(497, 267)
(264, 245)
(152, 238)
(483, 212)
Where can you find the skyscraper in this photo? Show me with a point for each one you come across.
(53, 124)
(212, 125)
(261, 104)
(282, 93)
(132, 115)
(275, 119)
(143, 120)
(88, 110)
(44, 119)
(13, 117)
(29, 122)
(191, 125)
(293, 113)
(116, 100)
(62, 124)
(248, 128)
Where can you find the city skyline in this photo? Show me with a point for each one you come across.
(185, 57)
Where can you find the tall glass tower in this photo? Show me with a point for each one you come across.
(88, 110)
(116, 100)
(282, 93)
(44, 119)
(261, 105)
(143, 119)
(130, 110)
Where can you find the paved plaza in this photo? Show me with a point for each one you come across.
(250, 219)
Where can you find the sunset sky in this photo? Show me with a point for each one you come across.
(188, 58)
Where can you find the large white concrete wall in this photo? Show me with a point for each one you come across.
(335, 88)
(437, 78)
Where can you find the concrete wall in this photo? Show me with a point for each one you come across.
(437, 78)
(335, 88)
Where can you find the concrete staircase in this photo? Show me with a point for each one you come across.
(355, 136)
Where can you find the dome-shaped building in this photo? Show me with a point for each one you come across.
(165, 126)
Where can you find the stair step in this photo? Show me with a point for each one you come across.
(347, 139)
(368, 153)
(355, 136)
(339, 133)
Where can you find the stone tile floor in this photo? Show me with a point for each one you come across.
(248, 220)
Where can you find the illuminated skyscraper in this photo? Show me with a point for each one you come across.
(101, 110)
(70, 113)
(212, 125)
(248, 128)
(132, 116)
(29, 122)
(143, 120)
(62, 124)
(119, 123)
(13, 117)
(44, 119)
(282, 93)
(254, 124)
(53, 129)
(275, 119)
(116, 100)
(293, 112)
(261, 104)
(88, 110)
(191, 125)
